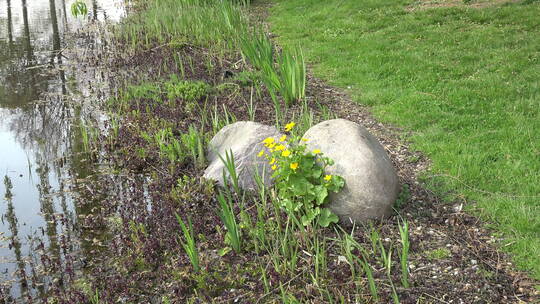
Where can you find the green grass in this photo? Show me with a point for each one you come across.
(464, 80)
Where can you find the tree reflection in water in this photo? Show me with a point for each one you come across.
(44, 97)
(15, 243)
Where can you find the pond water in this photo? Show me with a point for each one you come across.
(51, 80)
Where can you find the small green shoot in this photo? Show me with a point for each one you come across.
(189, 244)
(404, 256)
(226, 214)
(230, 169)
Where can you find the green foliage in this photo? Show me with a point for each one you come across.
(404, 255)
(85, 137)
(94, 299)
(186, 90)
(150, 91)
(138, 234)
(188, 93)
(258, 49)
(233, 236)
(220, 120)
(247, 78)
(178, 149)
(78, 8)
(230, 170)
(195, 142)
(89, 137)
(438, 254)
(186, 187)
(287, 76)
(371, 280)
(301, 185)
(210, 23)
(169, 146)
(9, 185)
(292, 75)
(189, 245)
(287, 298)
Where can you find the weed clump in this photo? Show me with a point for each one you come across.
(185, 90)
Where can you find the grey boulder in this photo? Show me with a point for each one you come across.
(244, 139)
(371, 183)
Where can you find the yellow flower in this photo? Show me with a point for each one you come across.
(272, 161)
(260, 153)
(286, 153)
(274, 167)
(283, 138)
(289, 126)
(294, 166)
(327, 178)
(271, 146)
(304, 139)
(268, 141)
(316, 151)
(280, 147)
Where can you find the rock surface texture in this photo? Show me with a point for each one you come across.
(371, 182)
(244, 139)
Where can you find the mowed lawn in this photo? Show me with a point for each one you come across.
(465, 80)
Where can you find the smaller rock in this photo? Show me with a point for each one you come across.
(244, 139)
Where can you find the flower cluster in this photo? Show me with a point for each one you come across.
(301, 185)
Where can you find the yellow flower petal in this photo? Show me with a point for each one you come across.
(268, 140)
(283, 138)
(271, 146)
(294, 166)
(274, 167)
(286, 153)
(327, 178)
(316, 151)
(272, 161)
(289, 126)
(280, 147)
(305, 139)
(260, 153)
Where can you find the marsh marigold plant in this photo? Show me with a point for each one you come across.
(301, 184)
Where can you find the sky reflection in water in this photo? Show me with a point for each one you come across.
(44, 96)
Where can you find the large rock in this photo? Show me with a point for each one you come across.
(371, 183)
(244, 139)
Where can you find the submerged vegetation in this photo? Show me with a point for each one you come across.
(173, 237)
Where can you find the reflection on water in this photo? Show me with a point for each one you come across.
(49, 84)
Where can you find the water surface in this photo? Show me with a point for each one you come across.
(51, 82)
